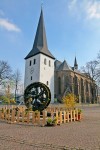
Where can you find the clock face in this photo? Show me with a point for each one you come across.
(31, 70)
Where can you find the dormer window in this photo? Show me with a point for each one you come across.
(45, 61)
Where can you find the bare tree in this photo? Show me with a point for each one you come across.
(91, 69)
(17, 79)
(98, 56)
(98, 69)
(5, 71)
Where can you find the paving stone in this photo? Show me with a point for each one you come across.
(84, 135)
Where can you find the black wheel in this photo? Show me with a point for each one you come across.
(37, 96)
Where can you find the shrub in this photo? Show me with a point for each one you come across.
(70, 100)
(79, 111)
(51, 121)
(12, 101)
(5, 100)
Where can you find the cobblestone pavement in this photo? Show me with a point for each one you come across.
(84, 135)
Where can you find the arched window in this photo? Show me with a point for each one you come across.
(47, 83)
(30, 62)
(45, 61)
(87, 86)
(34, 61)
(59, 85)
(49, 63)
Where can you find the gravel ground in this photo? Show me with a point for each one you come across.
(84, 135)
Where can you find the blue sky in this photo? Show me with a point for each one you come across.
(72, 28)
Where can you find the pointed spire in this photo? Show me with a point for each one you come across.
(40, 42)
(75, 64)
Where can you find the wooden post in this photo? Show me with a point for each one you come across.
(33, 117)
(64, 116)
(74, 114)
(0, 114)
(8, 115)
(71, 117)
(28, 117)
(60, 116)
(22, 116)
(38, 118)
(67, 116)
(5, 114)
(57, 115)
(13, 116)
(44, 118)
(18, 115)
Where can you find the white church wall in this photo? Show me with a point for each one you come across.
(32, 71)
(40, 72)
(47, 73)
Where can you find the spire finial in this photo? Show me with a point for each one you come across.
(41, 4)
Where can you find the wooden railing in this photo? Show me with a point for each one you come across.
(39, 118)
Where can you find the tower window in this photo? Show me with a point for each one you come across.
(49, 63)
(30, 62)
(34, 61)
(31, 77)
(45, 61)
(47, 83)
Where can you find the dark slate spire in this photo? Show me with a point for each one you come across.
(64, 66)
(75, 64)
(40, 42)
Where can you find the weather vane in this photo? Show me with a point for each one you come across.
(41, 3)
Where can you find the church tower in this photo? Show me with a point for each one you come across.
(39, 63)
(75, 64)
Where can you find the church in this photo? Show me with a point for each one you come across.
(41, 66)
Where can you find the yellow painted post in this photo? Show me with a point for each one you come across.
(60, 116)
(13, 116)
(5, 114)
(28, 117)
(0, 114)
(74, 114)
(38, 118)
(67, 116)
(64, 116)
(33, 117)
(57, 115)
(44, 118)
(18, 115)
(8, 115)
(22, 116)
(71, 117)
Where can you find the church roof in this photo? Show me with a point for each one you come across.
(57, 63)
(64, 66)
(40, 42)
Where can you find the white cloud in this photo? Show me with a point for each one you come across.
(6, 24)
(90, 9)
(93, 10)
(72, 4)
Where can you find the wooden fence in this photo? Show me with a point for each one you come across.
(39, 118)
